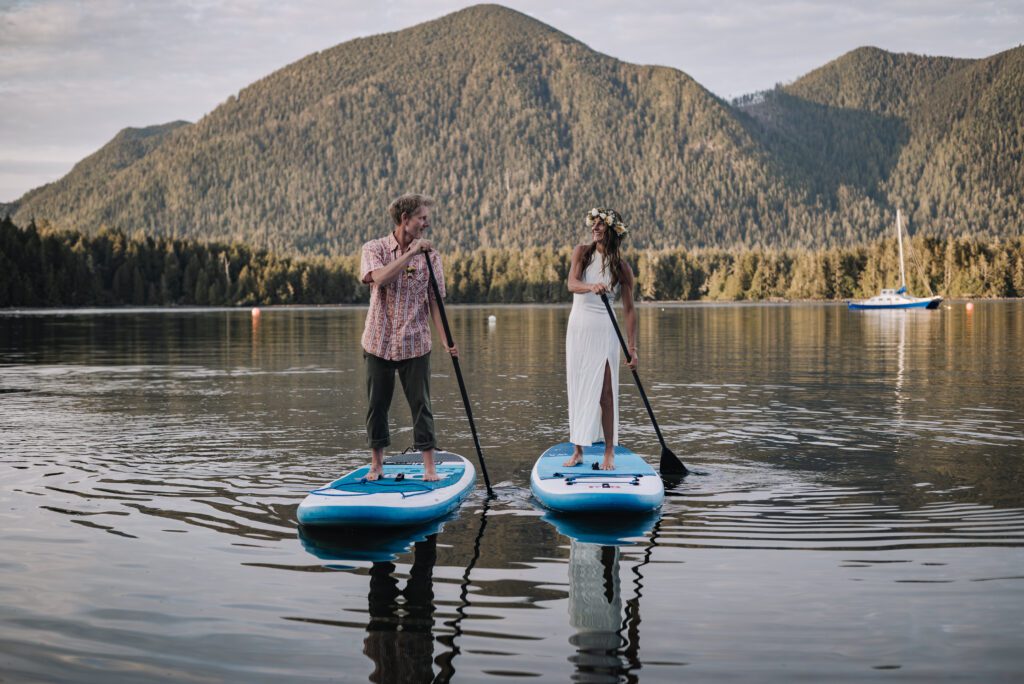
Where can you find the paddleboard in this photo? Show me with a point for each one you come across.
(633, 487)
(399, 497)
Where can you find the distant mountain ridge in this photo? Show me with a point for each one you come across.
(517, 128)
(942, 138)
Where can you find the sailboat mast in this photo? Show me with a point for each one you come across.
(899, 239)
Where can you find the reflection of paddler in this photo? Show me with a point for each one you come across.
(399, 636)
(595, 610)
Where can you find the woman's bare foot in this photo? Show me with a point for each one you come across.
(574, 460)
(609, 462)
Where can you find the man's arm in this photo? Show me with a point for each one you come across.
(435, 314)
(389, 273)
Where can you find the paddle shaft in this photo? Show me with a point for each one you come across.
(458, 372)
(667, 457)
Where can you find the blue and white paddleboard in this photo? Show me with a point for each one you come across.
(633, 487)
(399, 497)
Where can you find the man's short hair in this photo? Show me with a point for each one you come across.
(408, 204)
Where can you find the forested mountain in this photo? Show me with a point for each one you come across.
(92, 175)
(517, 128)
(941, 138)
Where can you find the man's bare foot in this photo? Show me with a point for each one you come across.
(429, 470)
(376, 464)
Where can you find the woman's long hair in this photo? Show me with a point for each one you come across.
(611, 243)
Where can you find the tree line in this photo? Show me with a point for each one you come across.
(42, 267)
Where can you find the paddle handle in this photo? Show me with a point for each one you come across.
(458, 372)
(636, 377)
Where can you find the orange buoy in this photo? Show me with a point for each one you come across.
(255, 312)
(970, 307)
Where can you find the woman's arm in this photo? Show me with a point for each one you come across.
(632, 323)
(576, 284)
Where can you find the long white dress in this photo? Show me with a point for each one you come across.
(590, 344)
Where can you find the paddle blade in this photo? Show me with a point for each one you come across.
(670, 463)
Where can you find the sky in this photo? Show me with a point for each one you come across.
(75, 72)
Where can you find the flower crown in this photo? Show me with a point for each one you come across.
(608, 217)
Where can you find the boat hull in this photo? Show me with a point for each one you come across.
(909, 303)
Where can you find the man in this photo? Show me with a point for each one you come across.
(397, 334)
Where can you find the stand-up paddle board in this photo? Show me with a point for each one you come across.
(399, 497)
(633, 487)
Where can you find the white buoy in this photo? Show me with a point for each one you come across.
(492, 319)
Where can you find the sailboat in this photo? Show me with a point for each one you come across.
(898, 299)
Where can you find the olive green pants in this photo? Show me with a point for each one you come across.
(380, 387)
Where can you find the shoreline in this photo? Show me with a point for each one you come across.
(675, 304)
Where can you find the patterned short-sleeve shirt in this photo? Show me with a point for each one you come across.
(398, 321)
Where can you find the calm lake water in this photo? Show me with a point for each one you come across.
(857, 512)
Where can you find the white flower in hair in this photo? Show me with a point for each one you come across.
(609, 217)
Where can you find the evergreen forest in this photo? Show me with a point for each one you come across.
(41, 266)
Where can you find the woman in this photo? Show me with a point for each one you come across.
(591, 345)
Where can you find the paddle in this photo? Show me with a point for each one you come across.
(458, 373)
(670, 463)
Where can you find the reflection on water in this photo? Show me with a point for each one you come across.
(399, 633)
(606, 638)
(859, 512)
(595, 612)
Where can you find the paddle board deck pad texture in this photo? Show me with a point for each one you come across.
(633, 487)
(399, 497)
